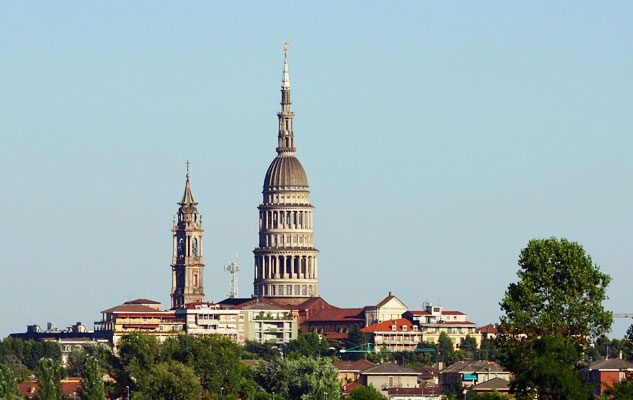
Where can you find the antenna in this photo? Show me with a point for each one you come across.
(233, 269)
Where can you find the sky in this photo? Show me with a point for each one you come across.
(438, 138)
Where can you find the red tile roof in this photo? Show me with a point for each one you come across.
(348, 387)
(422, 312)
(199, 304)
(70, 386)
(488, 329)
(452, 313)
(335, 335)
(353, 366)
(386, 326)
(142, 301)
(131, 308)
(337, 314)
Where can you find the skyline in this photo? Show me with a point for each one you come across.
(438, 140)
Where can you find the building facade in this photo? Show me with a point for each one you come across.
(203, 318)
(286, 262)
(187, 263)
(266, 323)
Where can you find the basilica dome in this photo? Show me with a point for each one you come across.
(285, 171)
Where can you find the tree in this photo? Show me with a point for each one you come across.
(468, 348)
(309, 345)
(560, 292)
(304, 378)
(48, 373)
(356, 339)
(264, 351)
(92, 382)
(366, 393)
(488, 349)
(445, 349)
(8, 383)
(486, 396)
(169, 381)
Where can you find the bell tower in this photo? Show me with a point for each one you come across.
(187, 263)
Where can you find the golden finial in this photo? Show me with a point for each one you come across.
(286, 50)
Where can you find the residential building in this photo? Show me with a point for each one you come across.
(286, 261)
(72, 338)
(434, 320)
(419, 393)
(139, 315)
(603, 374)
(389, 375)
(496, 385)
(266, 323)
(428, 375)
(70, 389)
(470, 373)
(395, 335)
(203, 318)
(349, 371)
(489, 331)
(334, 323)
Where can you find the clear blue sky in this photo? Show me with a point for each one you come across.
(438, 137)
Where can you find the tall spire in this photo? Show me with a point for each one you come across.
(187, 197)
(286, 135)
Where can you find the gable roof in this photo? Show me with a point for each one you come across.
(389, 369)
(490, 328)
(131, 308)
(498, 384)
(386, 326)
(353, 366)
(448, 312)
(142, 301)
(472, 367)
(389, 298)
(337, 314)
(614, 364)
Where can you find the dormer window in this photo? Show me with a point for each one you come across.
(404, 327)
(415, 327)
(394, 327)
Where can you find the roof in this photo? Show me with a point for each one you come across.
(131, 308)
(419, 312)
(335, 335)
(415, 392)
(200, 304)
(442, 323)
(187, 197)
(498, 384)
(444, 312)
(262, 306)
(472, 367)
(388, 369)
(69, 386)
(285, 171)
(348, 387)
(428, 372)
(353, 366)
(615, 364)
(142, 301)
(387, 299)
(386, 326)
(337, 314)
(490, 328)
(234, 301)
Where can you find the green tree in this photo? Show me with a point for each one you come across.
(49, 375)
(263, 351)
(309, 345)
(300, 378)
(619, 391)
(486, 396)
(8, 383)
(560, 292)
(168, 381)
(92, 382)
(356, 339)
(488, 350)
(468, 348)
(366, 393)
(446, 349)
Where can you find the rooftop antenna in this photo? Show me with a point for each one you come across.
(233, 269)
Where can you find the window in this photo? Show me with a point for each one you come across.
(272, 290)
(297, 293)
(194, 247)
(288, 290)
(394, 328)
(195, 280)
(281, 290)
(404, 327)
(304, 290)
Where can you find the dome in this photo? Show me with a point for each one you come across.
(285, 171)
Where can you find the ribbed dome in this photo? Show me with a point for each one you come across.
(285, 171)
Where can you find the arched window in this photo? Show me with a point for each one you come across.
(194, 247)
(181, 248)
(195, 280)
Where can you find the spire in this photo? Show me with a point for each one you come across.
(187, 197)
(286, 135)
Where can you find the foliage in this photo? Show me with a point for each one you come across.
(546, 367)
(168, 381)
(560, 292)
(301, 377)
(486, 396)
(445, 349)
(468, 348)
(49, 375)
(488, 350)
(8, 383)
(308, 345)
(262, 351)
(15, 351)
(92, 381)
(356, 339)
(77, 359)
(366, 393)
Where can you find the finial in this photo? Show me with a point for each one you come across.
(187, 165)
(286, 50)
